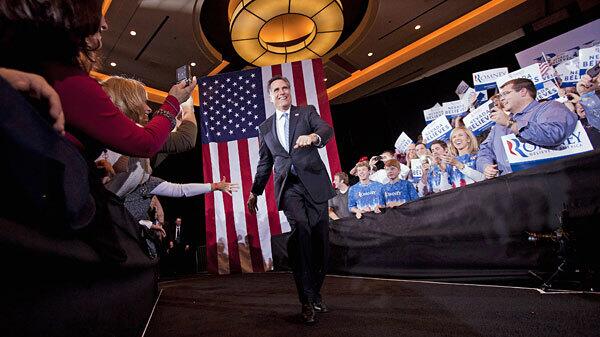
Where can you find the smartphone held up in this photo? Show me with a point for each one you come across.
(184, 73)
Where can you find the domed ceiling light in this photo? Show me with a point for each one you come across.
(266, 32)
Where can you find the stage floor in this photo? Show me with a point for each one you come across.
(266, 305)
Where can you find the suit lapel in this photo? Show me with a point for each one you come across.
(273, 133)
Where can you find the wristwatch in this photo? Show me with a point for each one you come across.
(510, 123)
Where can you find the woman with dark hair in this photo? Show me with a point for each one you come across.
(58, 40)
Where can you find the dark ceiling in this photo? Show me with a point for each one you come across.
(171, 33)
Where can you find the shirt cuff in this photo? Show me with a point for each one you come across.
(171, 104)
(318, 143)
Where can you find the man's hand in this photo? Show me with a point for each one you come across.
(306, 140)
(252, 207)
(499, 116)
(37, 87)
(586, 84)
(377, 210)
(358, 214)
(490, 171)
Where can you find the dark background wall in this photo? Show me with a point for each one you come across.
(369, 125)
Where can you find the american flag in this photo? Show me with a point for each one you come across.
(232, 106)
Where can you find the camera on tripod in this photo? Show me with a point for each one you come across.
(576, 241)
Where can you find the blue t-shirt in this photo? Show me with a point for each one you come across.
(399, 192)
(363, 196)
(457, 178)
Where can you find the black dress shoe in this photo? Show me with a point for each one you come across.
(320, 307)
(308, 314)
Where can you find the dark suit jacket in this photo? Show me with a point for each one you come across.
(307, 162)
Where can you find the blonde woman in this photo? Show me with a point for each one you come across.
(133, 180)
(462, 156)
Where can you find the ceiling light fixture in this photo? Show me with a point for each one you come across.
(112, 64)
(193, 64)
(132, 33)
(325, 79)
(417, 27)
(370, 54)
(265, 32)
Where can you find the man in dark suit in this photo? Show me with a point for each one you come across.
(178, 247)
(289, 142)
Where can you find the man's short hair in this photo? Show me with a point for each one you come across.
(392, 162)
(343, 177)
(275, 78)
(441, 143)
(520, 83)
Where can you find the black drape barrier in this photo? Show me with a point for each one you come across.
(478, 231)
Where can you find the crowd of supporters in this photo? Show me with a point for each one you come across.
(387, 180)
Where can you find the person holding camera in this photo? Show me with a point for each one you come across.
(545, 124)
(436, 176)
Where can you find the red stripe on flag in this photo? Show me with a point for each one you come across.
(332, 152)
(212, 263)
(232, 240)
(299, 88)
(275, 70)
(251, 221)
(272, 213)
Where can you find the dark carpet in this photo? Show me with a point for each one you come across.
(266, 305)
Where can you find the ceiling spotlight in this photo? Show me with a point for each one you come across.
(132, 33)
(370, 54)
(417, 27)
(112, 64)
(325, 79)
(193, 64)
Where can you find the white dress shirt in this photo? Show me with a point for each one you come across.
(280, 127)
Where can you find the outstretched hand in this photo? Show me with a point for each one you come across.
(225, 186)
(306, 140)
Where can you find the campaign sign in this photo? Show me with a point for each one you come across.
(402, 142)
(438, 129)
(479, 119)
(461, 89)
(523, 155)
(549, 90)
(531, 72)
(486, 79)
(415, 167)
(433, 113)
(588, 57)
(568, 71)
(456, 108)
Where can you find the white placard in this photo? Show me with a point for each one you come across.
(438, 129)
(402, 142)
(486, 79)
(415, 167)
(568, 72)
(549, 90)
(433, 113)
(588, 57)
(456, 108)
(531, 72)
(461, 89)
(479, 119)
(523, 155)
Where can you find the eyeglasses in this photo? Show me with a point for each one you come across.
(505, 93)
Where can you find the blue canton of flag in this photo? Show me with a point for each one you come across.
(232, 106)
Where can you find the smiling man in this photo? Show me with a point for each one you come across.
(545, 124)
(288, 145)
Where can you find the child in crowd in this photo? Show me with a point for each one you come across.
(366, 195)
(397, 191)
